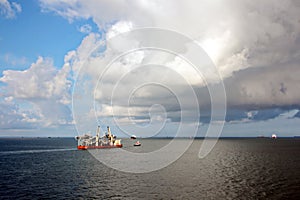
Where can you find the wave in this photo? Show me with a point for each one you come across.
(35, 151)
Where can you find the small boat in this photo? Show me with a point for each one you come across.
(137, 143)
(274, 136)
(133, 137)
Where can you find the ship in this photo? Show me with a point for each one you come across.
(137, 143)
(133, 137)
(108, 140)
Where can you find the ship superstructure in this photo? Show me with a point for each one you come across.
(108, 140)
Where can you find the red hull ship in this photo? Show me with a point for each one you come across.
(81, 147)
(96, 142)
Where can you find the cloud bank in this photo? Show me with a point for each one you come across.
(255, 46)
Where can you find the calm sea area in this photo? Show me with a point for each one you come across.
(52, 168)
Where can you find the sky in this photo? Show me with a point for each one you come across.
(63, 71)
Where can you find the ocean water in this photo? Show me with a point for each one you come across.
(52, 168)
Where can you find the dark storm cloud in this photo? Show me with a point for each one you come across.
(264, 87)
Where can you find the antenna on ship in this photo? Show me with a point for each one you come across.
(109, 136)
(97, 135)
(108, 132)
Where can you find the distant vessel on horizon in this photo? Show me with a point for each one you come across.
(274, 136)
(261, 136)
(96, 142)
(133, 137)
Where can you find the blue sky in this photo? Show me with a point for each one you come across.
(32, 33)
(45, 44)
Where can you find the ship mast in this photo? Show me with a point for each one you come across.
(97, 136)
(109, 136)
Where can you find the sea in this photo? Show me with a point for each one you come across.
(236, 168)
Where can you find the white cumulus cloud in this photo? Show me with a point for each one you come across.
(41, 80)
(9, 10)
(85, 28)
(44, 90)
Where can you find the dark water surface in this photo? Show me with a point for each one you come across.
(52, 168)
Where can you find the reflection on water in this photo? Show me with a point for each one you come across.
(235, 169)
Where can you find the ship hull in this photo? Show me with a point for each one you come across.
(98, 147)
